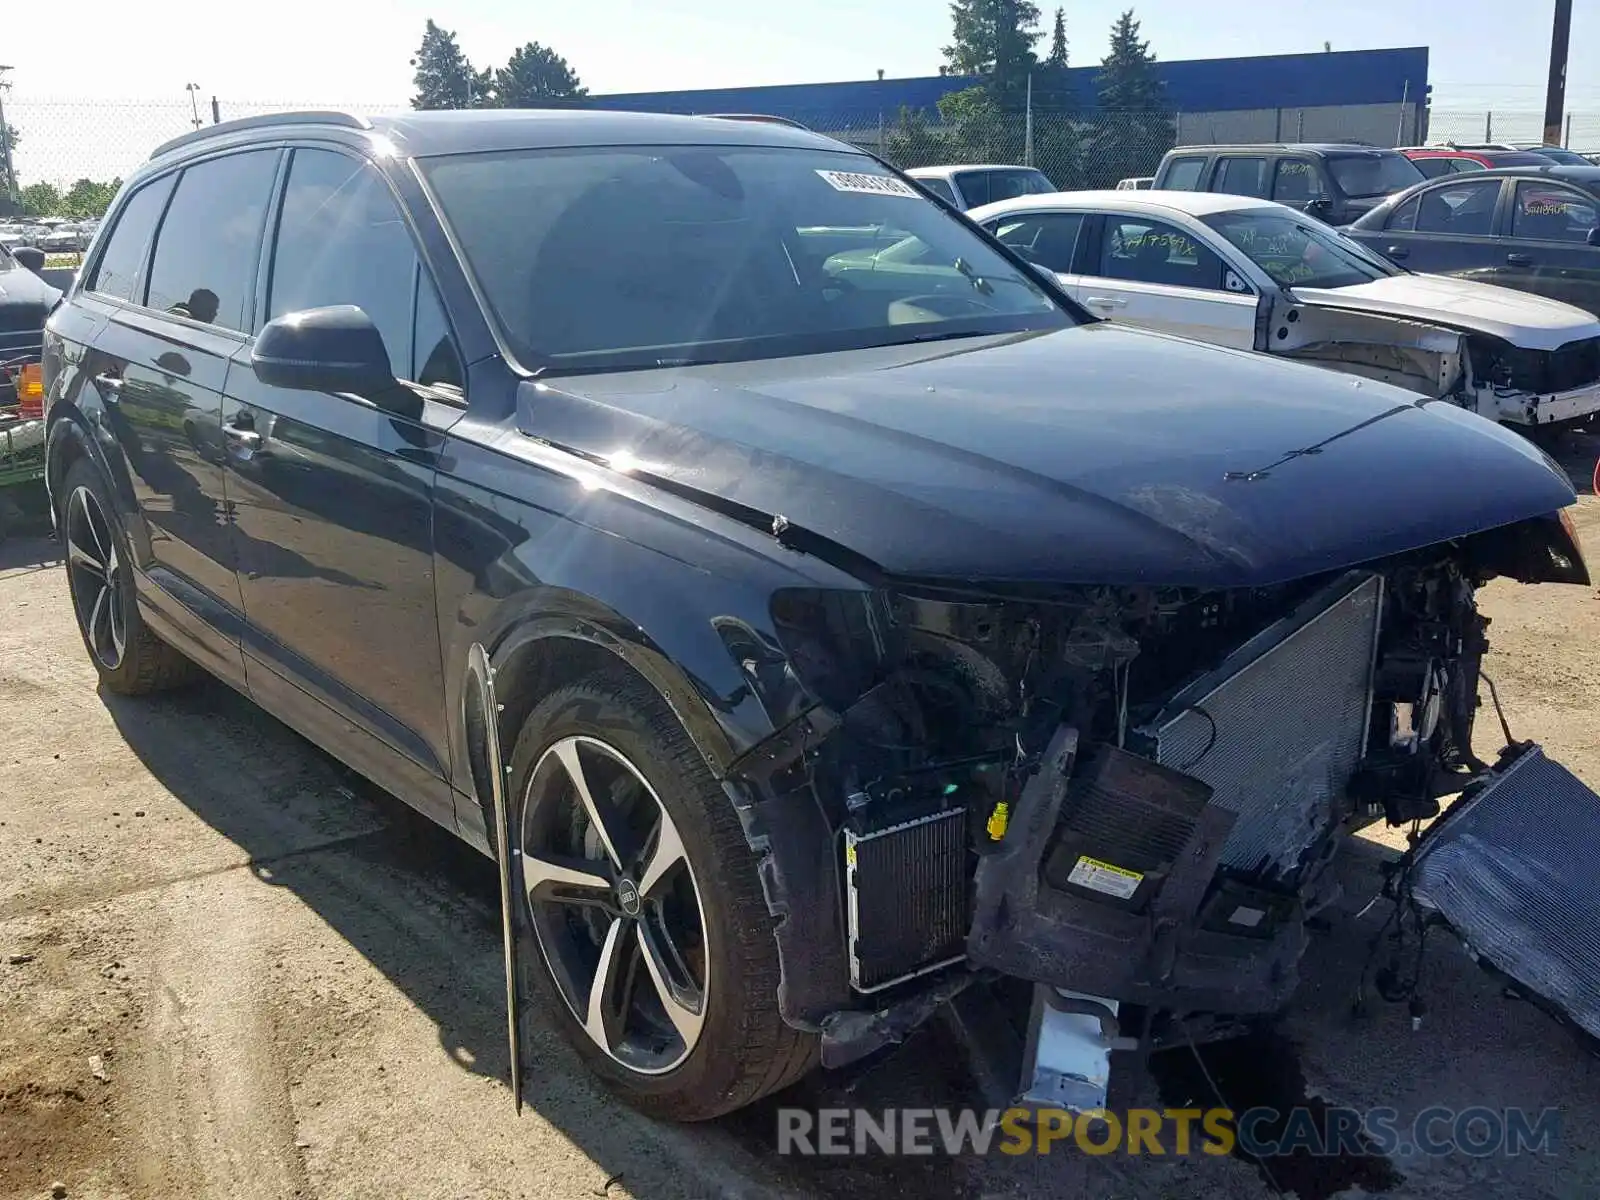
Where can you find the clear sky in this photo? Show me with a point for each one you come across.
(1485, 53)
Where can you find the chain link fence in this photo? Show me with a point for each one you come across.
(67, 144)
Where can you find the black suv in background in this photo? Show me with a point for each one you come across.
(1335, 182)
(775, 570)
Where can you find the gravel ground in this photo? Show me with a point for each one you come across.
(240, 971)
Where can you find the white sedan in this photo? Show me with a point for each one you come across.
(1256, 275)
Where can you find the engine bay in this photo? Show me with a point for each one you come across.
(1134, 793)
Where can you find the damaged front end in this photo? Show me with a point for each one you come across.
(1482, 373)
(1126, 794)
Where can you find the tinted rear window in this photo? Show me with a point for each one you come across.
(940, 188)
(121, 267)
(1183, 174)
(205, 262)
(985, 187)
(1372, 174)
(1242, 177)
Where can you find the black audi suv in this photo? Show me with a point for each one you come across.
(849, 629)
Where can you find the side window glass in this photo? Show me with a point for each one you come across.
(1551, 213)
(1047, 239)
(1404, 218)
(1155, 252)
(205, 261)
(940, 188)
(1297, 183)
(435, 360)
(974, 187)
(1184, 174)
(1465, 166)
(1242, 177)
(1433, 168)
(120, 271)
(341, 240)
(1460, 209)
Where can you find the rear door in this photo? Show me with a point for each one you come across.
(1446, 229)
(161, 361)
(1547, 249)
(333, 497)
(1149, 272)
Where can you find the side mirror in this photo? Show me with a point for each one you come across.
(31, 257)
(1320, 207)
(1594, 236)
(334, 349)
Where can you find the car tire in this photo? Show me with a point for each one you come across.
(615, 731)
(130, 659)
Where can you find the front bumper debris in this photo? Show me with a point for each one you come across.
(1527, 408)
(1510, 867)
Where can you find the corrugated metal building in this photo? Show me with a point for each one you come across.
(1377, 96)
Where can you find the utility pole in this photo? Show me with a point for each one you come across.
(1555, 98)
(5, 141)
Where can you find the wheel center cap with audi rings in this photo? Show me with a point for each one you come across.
(628, 896)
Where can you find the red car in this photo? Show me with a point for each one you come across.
(1434, 161)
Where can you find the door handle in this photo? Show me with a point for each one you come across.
(1105, 302)
(1396, 252)
(1520, 260)
(110, 384)
(244, 443)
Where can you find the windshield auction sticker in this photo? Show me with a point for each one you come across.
(870, 185)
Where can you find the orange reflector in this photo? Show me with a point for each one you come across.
(30, 392)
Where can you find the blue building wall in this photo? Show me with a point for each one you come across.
(1352, 77)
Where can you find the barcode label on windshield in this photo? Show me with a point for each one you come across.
(871, 185)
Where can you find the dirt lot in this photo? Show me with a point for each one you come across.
(227, 968)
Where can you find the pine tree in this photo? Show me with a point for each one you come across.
(1135, 121)
(995, 38)
(1058, 42)
(536, 76)
(444, 78)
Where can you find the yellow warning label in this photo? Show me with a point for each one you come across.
(850, 855)
(1105, 877)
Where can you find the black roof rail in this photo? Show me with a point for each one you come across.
(761, 117)
(345, 120)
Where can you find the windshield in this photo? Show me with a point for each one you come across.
(621, 257)
(1297, 252)
(1372, 174)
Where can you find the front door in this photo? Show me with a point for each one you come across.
(1155, 275)
(333, 497)
(161, 363)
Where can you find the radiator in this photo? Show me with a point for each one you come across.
(1512, 868)
(1278, 729)
(907, 894)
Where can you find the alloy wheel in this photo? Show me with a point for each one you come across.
(614, 905)
(94, 573)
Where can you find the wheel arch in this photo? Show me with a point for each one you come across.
(72, 437)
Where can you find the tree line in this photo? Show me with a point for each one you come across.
(1129, 130)
(535, 76)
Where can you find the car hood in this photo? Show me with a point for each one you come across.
(1097, 454)
(20, 286)
(1531, 322)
